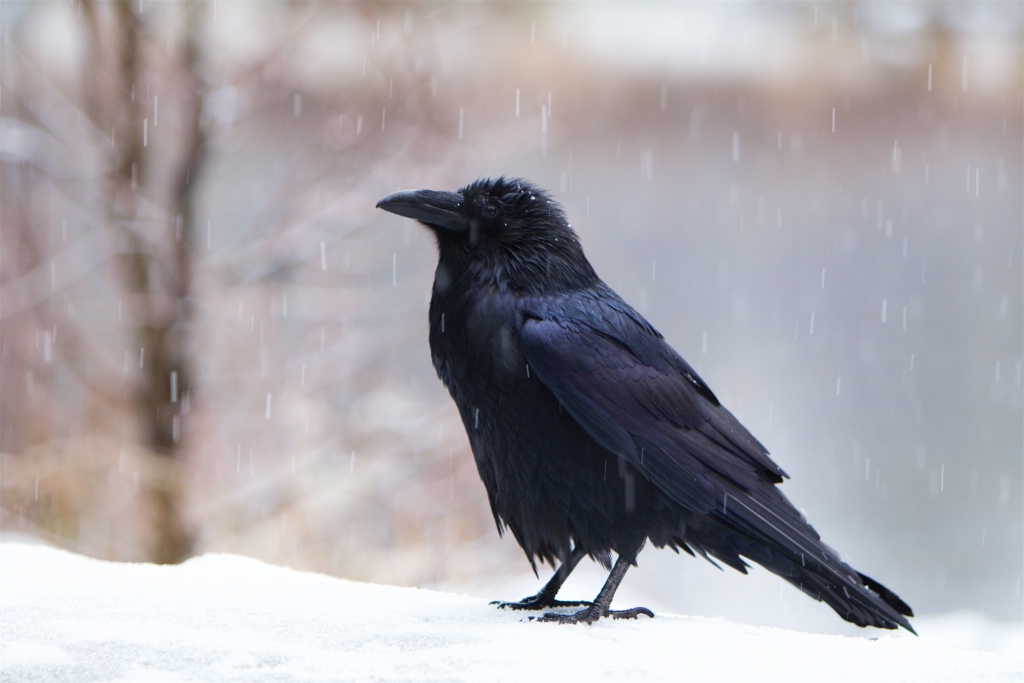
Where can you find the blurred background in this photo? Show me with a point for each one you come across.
(210, 341)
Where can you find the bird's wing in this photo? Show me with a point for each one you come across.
(635, 396)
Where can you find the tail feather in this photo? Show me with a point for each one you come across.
(772, 533)
(854, 597)
(887, 596)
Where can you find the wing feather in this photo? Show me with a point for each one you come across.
(639, 399)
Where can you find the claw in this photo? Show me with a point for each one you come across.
(546, 597)
(593, 613)
(632, 613)
(533, 603)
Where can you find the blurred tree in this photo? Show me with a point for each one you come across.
(156, 261)
(194, 320)
(143, 199)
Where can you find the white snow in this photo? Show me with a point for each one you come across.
(229, 618)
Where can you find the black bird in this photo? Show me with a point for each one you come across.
(590, 433)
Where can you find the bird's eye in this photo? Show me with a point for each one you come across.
(489, 211)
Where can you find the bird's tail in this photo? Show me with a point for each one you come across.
(776, 536)
(855, 597)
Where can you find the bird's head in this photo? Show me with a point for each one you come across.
(507, 225)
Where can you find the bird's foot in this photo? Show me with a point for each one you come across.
(539, 602)
(593, 613)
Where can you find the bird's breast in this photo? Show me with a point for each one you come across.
(476, 338)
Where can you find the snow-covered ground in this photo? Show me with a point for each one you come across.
(64, 617)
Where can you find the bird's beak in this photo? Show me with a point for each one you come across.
(433, 208)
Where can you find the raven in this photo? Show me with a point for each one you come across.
(590, 433)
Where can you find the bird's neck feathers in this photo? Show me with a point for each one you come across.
(543, 262)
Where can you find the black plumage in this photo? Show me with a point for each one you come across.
(591, 434)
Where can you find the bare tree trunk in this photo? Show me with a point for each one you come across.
(155, 255)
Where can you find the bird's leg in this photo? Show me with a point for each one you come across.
(546, 597)
(601, 607)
